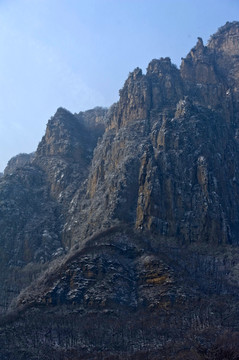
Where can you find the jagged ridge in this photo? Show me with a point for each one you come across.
(162, 163)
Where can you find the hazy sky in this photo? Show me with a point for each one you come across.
(78, 53)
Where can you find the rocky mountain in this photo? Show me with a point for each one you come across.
(18, 161)
(119, 238)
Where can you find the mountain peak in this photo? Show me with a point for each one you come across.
(226, 39)
(61, 111)
(160, 66)
(142, 216)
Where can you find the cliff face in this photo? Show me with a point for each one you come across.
(141, 95)
(36, 196)
(18, 161)
(166, 159)
(211, 72)
(144, 198)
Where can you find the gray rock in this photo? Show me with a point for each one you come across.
(121, 234)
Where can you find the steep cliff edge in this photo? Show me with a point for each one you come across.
(134, 214)
(35, 193)
(168, 161)
(18, 161)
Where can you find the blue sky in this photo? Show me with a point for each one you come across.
(78, 53)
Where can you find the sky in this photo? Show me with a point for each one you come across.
(77, 54)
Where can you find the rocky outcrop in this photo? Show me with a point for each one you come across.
(30, 226)
(134, 214)
(181, 182)
(142, 94)
(95, 120)
(211, 72)
(18, 161)
(166, 157)
(34, 195)
(120, 296)
(66, 150)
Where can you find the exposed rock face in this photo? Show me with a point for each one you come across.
(211, 72)
(142, 94)
(18, 161)
(29, 224)
(118, 296)
(146, 197)
(165, 159)
(34, 199)
(66, 150)
(95, 120)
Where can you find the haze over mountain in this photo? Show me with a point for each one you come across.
(120, 233)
